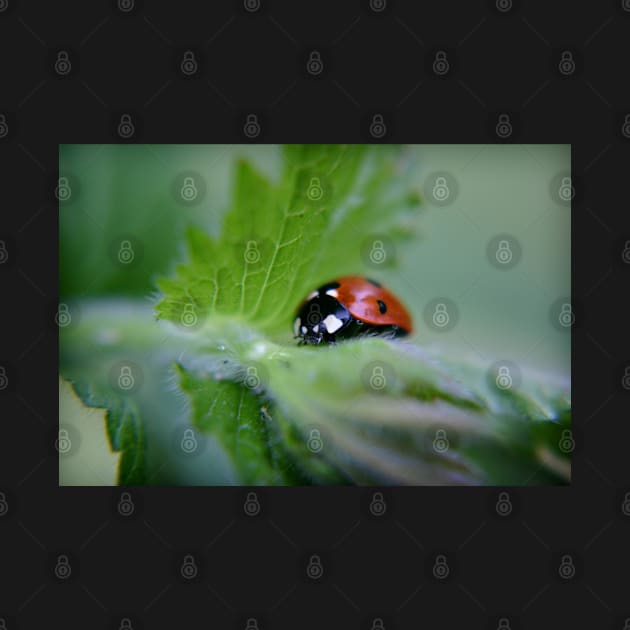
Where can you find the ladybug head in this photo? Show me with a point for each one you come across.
(310, 338)
(320, 319)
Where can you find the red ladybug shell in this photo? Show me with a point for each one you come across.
(371, 303)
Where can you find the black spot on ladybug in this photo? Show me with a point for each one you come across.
(328, 287)
(376, 284)
(382, 307)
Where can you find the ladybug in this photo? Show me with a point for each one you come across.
(352, 306)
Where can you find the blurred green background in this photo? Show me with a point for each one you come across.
(134, 193)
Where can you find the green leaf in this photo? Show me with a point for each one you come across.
(281, 239)
(233, 414)
(124, 429)
(145, 423)
(90, 460)
(92, 382)
(386, 434)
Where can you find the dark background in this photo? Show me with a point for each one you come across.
(502, 58)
